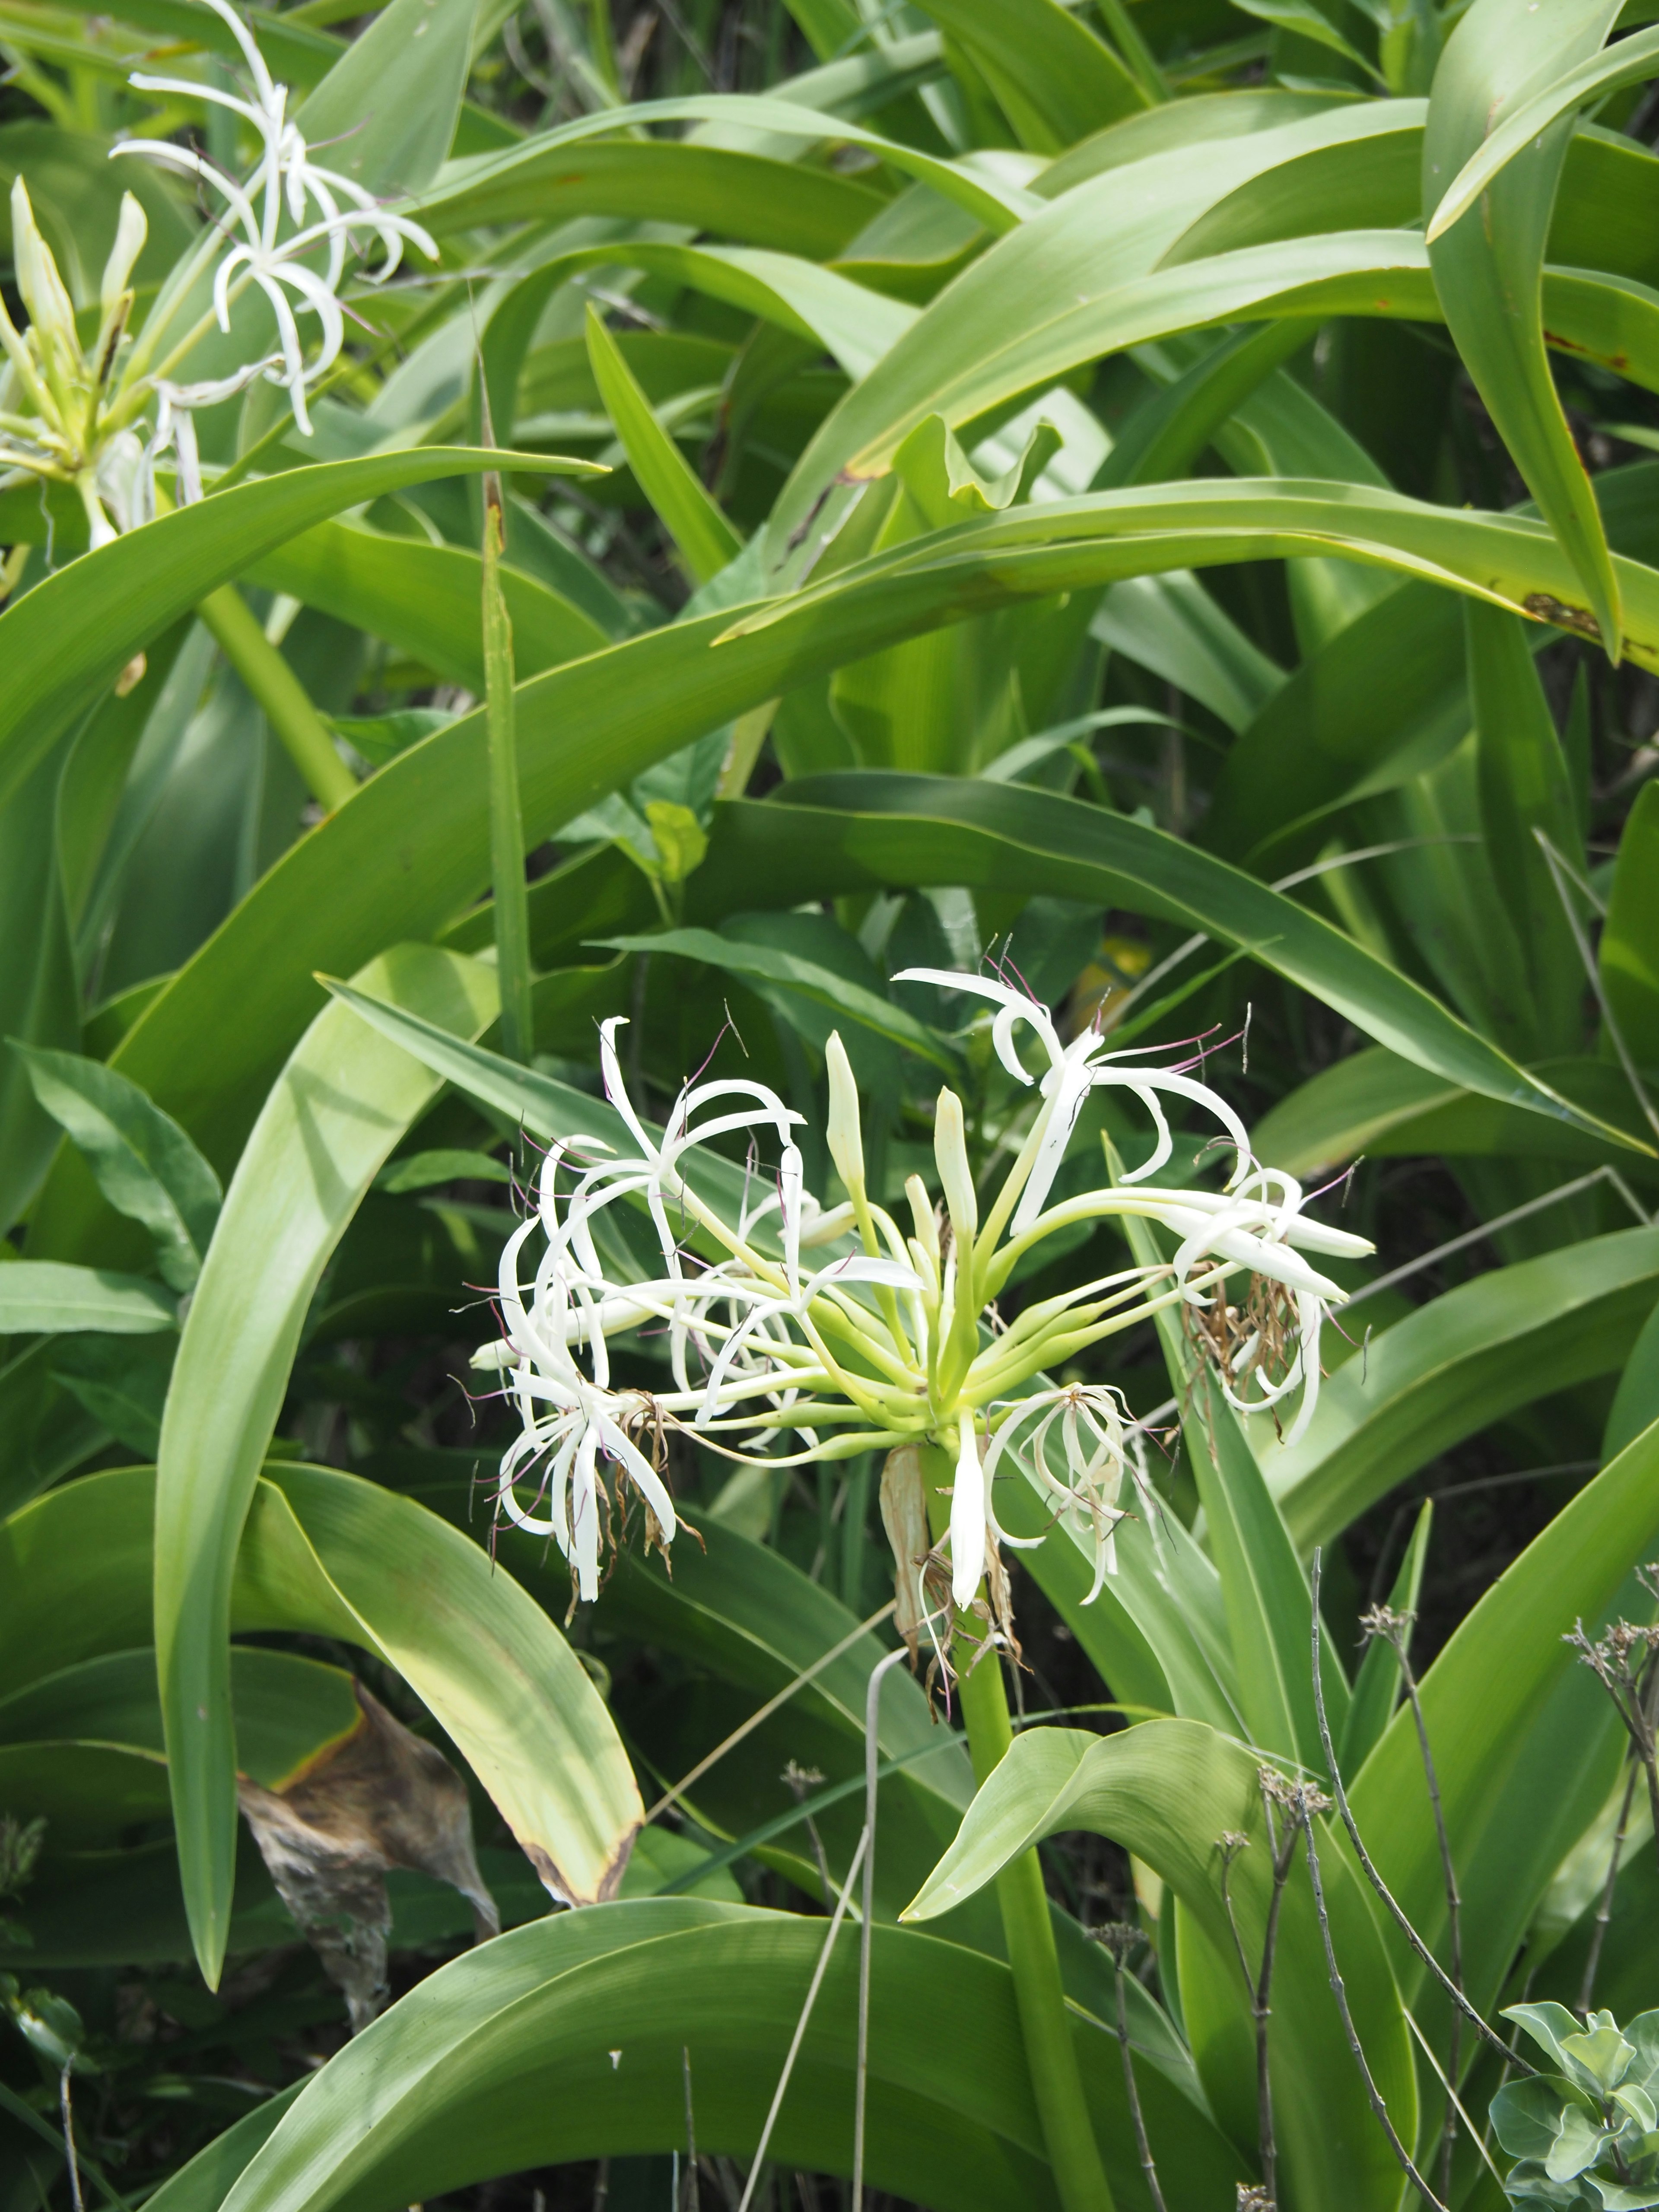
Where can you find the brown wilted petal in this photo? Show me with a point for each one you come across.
(382, 1798)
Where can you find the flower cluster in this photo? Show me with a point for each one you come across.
(73, 414)
(892, 1337)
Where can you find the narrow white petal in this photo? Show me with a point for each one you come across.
(967, 1519)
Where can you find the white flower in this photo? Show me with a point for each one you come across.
(1100, 1441)
(891, 1338)
(285, 180)
(1073, 1070)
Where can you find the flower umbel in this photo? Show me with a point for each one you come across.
(894, 1339)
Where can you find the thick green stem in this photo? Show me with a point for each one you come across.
(1039, 1994)
(506, 811)
(279, 695)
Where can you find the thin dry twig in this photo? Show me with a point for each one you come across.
(1604, 1910)
(1121, 1938)
(1339, 1992)
(1368, 1865)
(808, 1675)
(1395, 1628)
(758, 2162)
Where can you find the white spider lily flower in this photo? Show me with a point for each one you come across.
(1073, 1070)
(284, 180)
(884, 1338)
(567, 1443)
(1100, 1441)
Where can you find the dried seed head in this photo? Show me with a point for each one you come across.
(1384, 1620)
(1121, 1938)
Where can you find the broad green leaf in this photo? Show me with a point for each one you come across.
(1305, 20)
(410, 853)
(706, 540)
(202, 2183)
(288, 1710)
(718, 190)
(387, 110)
(441, 2086)
(1086, 281)
(39, 1002)
(1629, 951)
(774, 964)
(1635, 1402)
(66, 642)
(326, 1554)
(423, 599)
(1631, 61)
(989, 835)
(1269, 1609)
(1166, 1791)
(43, 1296)
(1487, 273)
(1057, 81)
(342, 1102)
(141, 1160)
(814, 304)
(484, 190)
(1376, 1103)
(1482, 1697)
(1468, 1357)
(1524, 791)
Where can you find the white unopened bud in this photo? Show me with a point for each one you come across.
(844, 1133)
(922, 1213)
(956, 1179)
(129, 236)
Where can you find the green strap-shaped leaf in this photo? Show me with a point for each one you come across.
(770, 964)
(472, 192)
(1467, 1359)
(450, 2085)
(144, 1163)
(989, 836)
(1629, 62)
(387, 109)
(424, 599)
(1629, 951)
(1166, 1791)
(705, 538)
(1524, 791)
(487, 1661)
(340, 1106)
(45, 1296)
(1057, 81)
(408, 853)
(64, 643)
(1489, 273)
(288, 1710)
(1374, 1102)
(1483, 1696)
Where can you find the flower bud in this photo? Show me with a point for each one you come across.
(129, 236)
(922, 1213)
(844, 1134)
(52, 311)
(956, 1179)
